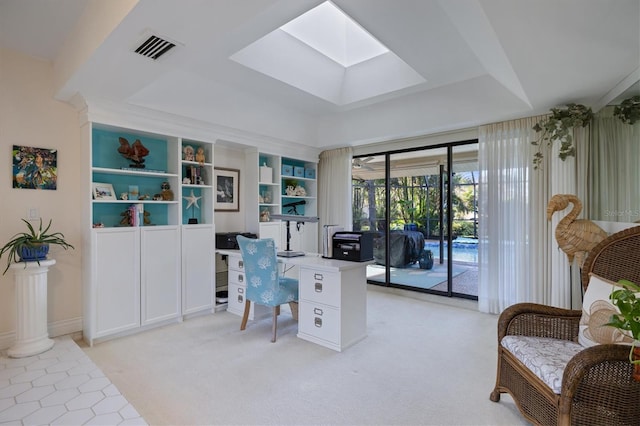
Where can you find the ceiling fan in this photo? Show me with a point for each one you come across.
(361, 163)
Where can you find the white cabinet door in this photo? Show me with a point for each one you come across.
(117, 280)
(198, 269)
(160, 277)
(272, 230)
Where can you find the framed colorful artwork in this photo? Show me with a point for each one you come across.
(34, 168)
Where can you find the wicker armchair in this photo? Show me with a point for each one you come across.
(597, 388)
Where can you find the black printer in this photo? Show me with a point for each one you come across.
(227, 240)
(353, 246)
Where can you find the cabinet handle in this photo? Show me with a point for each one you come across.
(240, 278)
(318, 322)
(240, 290)
(318, 287)
(317, 311)
(317, 276)
(240, 264)
(240, 298)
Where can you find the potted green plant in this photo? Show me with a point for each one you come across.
(32, 245)
(629, 110)
(627, 299)
(558, 127)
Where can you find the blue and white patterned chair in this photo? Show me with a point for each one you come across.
(264, 284)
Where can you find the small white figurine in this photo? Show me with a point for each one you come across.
(188, 153)
(300, 191)
(290, 190)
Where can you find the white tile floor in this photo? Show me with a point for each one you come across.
(61, 386)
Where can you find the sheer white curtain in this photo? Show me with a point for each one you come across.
(564, 279)
(518, 257)
(334, 188)
(614, 168)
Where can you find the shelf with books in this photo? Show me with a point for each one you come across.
(130, 168)
(196, 182)
(141, 249)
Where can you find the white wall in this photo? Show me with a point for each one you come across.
(29, 116)
(231, 158)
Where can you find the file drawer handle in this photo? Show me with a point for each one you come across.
(240, 278)
(318, 287)
(240, 298)
(240, 264)
(318, 322)
(317, 276)
(317, 311)
(240, 290)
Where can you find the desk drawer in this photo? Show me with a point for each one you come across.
(320, 321)
(236, 277)
(236, 299)
(236, 303)
(236, 263)
(320, 286)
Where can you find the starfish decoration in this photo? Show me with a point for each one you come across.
(192, 200)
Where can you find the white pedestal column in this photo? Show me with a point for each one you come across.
(32, 336)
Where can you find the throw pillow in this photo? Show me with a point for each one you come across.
(596, 311)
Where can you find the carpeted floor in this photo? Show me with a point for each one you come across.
(414, 276)
(423, 363)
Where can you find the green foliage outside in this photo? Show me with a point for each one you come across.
(414, 200)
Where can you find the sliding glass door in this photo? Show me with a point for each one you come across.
(421, 205)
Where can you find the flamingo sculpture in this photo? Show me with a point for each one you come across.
(575, 237)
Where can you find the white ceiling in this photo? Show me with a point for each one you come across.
(482, 61)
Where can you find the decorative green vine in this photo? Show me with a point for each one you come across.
(629, 110)
(558, 127)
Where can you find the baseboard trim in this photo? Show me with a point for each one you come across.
(6, 340)
(64, 327)
(56, 329)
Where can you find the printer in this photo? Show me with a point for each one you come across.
(227, 240)
(353, 246)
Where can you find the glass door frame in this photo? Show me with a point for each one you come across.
(446, 186)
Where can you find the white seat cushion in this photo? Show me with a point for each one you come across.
(545, 357)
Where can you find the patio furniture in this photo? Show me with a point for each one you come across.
(553, 379)
(405, 248)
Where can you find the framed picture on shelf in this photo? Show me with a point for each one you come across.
(227, 183)
(103, 191)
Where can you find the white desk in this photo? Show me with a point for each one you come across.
(332, 306)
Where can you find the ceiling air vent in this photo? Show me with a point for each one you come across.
(154, 47)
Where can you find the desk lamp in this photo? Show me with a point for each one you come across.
(294, 217)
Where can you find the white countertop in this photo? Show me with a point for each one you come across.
(313, 260)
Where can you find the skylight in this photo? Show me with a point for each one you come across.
(329, 55)
(334, 34)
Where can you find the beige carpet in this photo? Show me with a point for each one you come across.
(423, 363)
